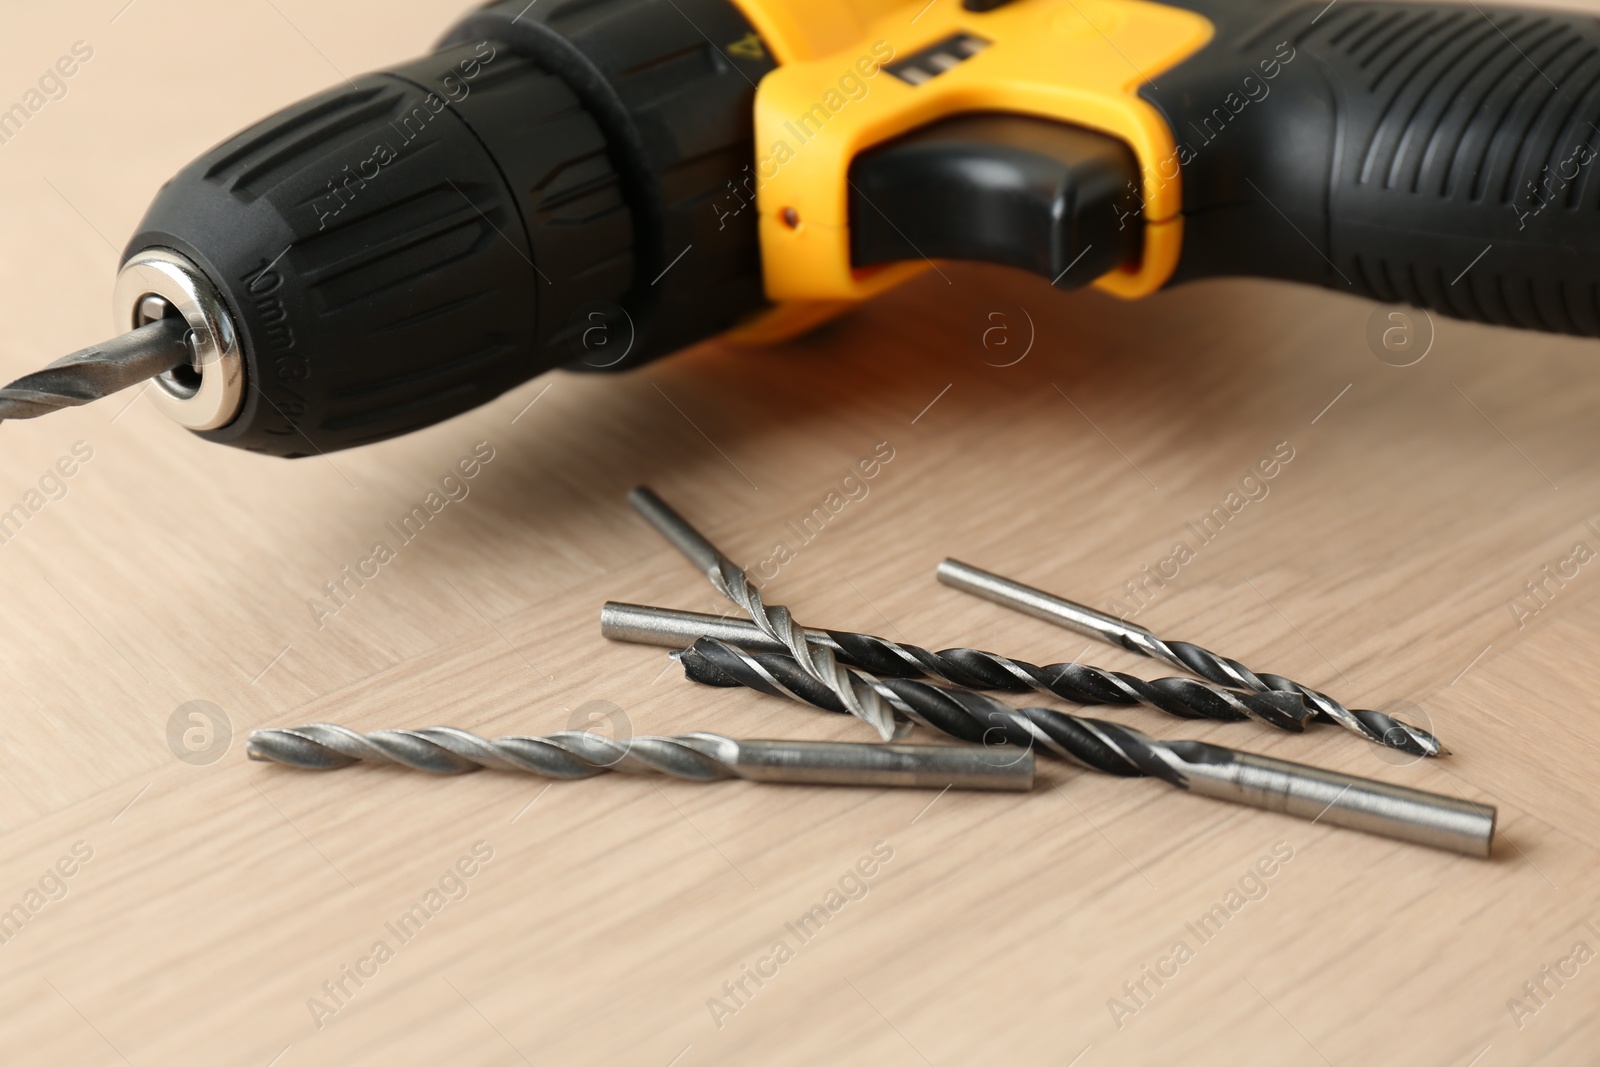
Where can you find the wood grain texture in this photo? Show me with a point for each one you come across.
(1381, 565)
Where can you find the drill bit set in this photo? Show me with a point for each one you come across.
(695, 757)
(894, 686)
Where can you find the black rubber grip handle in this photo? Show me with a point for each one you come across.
(1440, 155)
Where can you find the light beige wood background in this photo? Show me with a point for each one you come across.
(220, 898)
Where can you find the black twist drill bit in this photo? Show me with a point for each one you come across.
(969, 668)
(696, 757)
(98, 371)
(1414, 815)
(968, 716)
(1375, 726)
(774, 620)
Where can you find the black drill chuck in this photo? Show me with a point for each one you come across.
(405, 247)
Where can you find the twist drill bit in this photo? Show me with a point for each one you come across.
(696, 757)
(966, 667)
(775, 621)
(98, 371)
(1450, 823)
(1375, 726)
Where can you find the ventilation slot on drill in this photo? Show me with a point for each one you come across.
(929, 63)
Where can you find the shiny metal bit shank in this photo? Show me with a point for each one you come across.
(1453, 824)
(1374, 726)
(696, 757)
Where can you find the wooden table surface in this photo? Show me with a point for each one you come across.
(216, 911)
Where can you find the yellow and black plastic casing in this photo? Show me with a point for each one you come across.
(596, 184)
(1379, 149)
(812, 122)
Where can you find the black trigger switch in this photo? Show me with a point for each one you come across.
(1054, 199)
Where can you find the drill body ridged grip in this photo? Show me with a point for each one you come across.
(1442, 155)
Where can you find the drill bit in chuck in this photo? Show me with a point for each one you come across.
(968, 668)
(1432, 819)
(1375, 726)
(696, 757)
(98, 371)
(774, 621)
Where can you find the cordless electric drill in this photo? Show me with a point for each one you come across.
(596, 183)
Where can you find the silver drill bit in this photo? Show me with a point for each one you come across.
(1375, 726)
(727, 578)
(966, 667)
(696, 757)
(1398, 812)
(98, 371)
